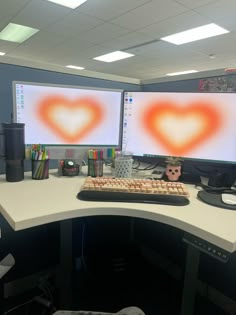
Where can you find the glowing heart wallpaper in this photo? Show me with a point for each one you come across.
(192, 125)
(63, 115)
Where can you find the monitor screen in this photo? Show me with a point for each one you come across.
(189, 125)
(68, 115)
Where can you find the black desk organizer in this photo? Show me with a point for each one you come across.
(214, 199)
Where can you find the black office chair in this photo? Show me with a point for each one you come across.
(131, 311)
(125, 311)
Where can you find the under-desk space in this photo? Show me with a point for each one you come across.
(122, 264)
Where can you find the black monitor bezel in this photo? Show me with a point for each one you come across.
(14, 113)
(153, 158)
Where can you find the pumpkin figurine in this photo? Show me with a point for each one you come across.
(173, 168)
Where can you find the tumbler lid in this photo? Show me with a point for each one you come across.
(13, 125)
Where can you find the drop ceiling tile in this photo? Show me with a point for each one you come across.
(219, 60)
(153, 48)
(103, 33)
(68, 50)
(195, 4)
(108, 9)
(41, 48)
(62, 59)
(231, 62)
(149, 13)
(227, 23)
(214, 45)
(4, 21)
(44, 40)
(95, 51)
(75, 59)
(129, 40)
(74, 23)
(136, 61)
(218, 10)
(39, 14)
(166, 57)
(179, 23)
(11, 7)
(22, 51)
(6, 46)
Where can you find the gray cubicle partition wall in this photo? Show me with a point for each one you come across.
(193, 84)
(172, 86)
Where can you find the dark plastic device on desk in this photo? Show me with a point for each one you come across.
(14, 151)
(217, 198)
(134, 190)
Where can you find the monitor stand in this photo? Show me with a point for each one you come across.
(189, 178)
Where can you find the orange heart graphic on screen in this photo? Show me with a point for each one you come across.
(181, 129)
(70, 120)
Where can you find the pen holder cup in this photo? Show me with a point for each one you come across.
(95, 167)
(40, 169)
(123, 166)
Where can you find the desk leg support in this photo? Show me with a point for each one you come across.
(190, 281)
(132, 230)
(1, 298)
(66, 264)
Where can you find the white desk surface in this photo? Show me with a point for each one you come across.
(31, 203)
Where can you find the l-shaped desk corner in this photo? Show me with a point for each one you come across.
(31, 203)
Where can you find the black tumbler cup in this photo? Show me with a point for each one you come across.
(14, 151)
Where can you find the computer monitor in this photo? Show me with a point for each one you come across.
(189, 125)
(68, 115)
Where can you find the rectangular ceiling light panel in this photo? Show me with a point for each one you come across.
(181, 72)
(194, 34)
(17, 33)
(114, 56)
(75, 67)
(73, 4)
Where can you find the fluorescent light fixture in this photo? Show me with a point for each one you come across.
(114, 56)
(182, 72)
(75, 67)
(194, 34)
(69, 3)
(17, 33)
(2, 53)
